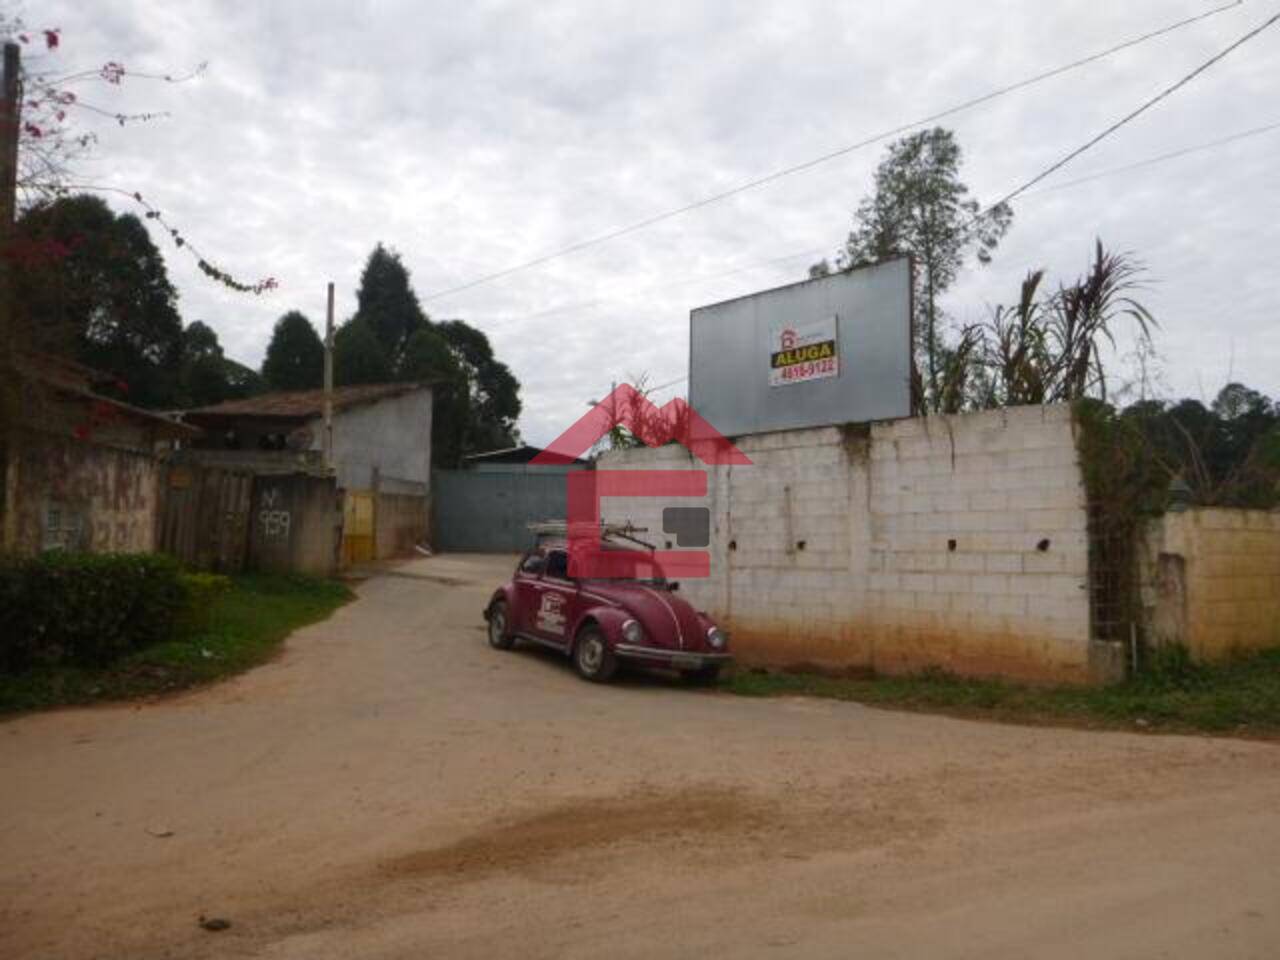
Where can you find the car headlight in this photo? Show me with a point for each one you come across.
(717, 638)
(632, 632)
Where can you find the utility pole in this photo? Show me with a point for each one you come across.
(328, 383)
(10, 391)
(10, 108)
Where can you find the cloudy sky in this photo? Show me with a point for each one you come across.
(475, 136)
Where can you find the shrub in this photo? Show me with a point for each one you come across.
(85, 608)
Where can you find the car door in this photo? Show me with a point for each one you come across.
(558, 601)
(528, 586)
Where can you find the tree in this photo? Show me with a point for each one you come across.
(295, 355)
(429, 357)
(358, 355)
(387, 304)
(202, 379)
(495, 392)
(1050, 349)
(476, 397)
(206, 376)
(103, 296)
(921, 207)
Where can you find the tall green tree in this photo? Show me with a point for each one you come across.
(476, 397)
(429, 357)
(495, 392)
(295, 355)
(386, 302)
(921, 207)
(91, 285)
(206, 375)
(358, 355)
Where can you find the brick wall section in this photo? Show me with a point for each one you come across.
(1211, 580)
(957, 542)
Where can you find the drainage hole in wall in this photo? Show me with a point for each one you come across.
(800, 544)
(951, 545)
(1043, 545)
(733, 544)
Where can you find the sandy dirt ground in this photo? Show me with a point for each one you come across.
(392, 788)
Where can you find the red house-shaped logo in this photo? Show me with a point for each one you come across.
(655, 426)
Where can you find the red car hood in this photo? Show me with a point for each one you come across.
(667, 618)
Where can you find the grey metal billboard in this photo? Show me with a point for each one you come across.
(835, 349)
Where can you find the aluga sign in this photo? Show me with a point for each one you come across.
(799, 352)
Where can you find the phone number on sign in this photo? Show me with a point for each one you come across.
(814, 368)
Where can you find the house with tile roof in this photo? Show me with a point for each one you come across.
(381, 435)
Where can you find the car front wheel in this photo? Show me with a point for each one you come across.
(500, 626)
(592, 657)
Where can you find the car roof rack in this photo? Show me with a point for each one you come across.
(605, 531)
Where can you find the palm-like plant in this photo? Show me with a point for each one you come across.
(1048, 350)
(1016, 350)
(1084, 314)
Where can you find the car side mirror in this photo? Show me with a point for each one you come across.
(673, 586)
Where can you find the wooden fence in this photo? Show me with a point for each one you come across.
(203, 517)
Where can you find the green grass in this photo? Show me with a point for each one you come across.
(1240, 697)
(243, 628)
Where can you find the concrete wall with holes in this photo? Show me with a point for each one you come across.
(1211, 580)
(958, 542)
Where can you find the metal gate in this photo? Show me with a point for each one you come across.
(488, 512)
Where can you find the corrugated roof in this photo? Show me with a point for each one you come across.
(303, 404)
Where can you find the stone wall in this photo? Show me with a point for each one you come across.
(957, 542)
(1211, 580)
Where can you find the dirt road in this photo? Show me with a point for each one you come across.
(390, 787)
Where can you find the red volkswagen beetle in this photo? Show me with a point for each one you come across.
(601, 623)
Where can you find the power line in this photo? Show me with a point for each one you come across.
(824, 158)
(1113, 171)
(701, 278)
(1134, 114)
(1161, 158)
(670, 383)
(815, 251)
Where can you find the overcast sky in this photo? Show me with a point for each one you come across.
(474, 136)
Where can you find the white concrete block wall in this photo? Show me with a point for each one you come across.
(958, 542)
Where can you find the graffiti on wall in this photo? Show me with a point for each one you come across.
(274, 515)
(83, 496)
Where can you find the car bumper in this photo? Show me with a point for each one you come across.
(679, 659)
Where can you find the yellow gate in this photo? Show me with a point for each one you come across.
(357, 527)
